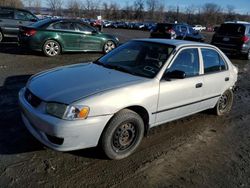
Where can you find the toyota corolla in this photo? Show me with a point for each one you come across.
(115, 100)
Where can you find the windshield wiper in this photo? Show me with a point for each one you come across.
(119, 68)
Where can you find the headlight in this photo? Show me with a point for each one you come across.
(71, 112)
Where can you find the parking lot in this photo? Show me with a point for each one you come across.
(198, 151)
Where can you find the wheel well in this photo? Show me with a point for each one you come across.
(143, 113)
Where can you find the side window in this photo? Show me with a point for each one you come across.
(23, 15)
(187, 61)
(191, 30)
(63, 26)
(6, 14)
(183, 29)
(212, 60)
(83, 27)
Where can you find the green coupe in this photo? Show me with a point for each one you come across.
(54, 36)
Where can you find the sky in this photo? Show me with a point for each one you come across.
(241, 6)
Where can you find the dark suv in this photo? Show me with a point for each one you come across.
(176, 31)
(11, 19)
(233, 38)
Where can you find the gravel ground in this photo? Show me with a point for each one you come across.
(202, 150)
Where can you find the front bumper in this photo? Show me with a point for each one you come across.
(78, 134)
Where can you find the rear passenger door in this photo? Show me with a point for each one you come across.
(89, 40)
(216, 76)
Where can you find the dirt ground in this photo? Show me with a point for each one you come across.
(202, 150)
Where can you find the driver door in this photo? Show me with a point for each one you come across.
(180, 97)
(89, 40)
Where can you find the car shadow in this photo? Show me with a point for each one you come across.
(15, 49)
(14, 138)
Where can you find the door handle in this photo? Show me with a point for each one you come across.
(227, 79)
(1, 20)
(198, 85)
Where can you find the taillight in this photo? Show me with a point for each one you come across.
(29, 32)
(170, 31)
(245, 39)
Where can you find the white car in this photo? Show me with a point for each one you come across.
(115, 100)
(199, 28)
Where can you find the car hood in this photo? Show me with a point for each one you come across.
(71, 83)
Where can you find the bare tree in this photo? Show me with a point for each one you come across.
(115, 10)
(160, 13)
(11, 3)
(91, 8)
(56, 6)
(37, 6)
(74, 8)
(139, 9)
(231, 15)
(212, 14)
(152, 6)
(128, 12)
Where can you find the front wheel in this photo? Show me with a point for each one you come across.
(108, 46)
(122, 135)
(51, 48)
(224, 103)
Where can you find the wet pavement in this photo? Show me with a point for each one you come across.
(202, 150)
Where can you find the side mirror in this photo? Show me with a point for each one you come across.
(176, 74)
(94, 32)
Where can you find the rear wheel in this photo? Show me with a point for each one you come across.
(224, 103)
(123, 134)
(108, 46)
(1, 36)
(51, 48)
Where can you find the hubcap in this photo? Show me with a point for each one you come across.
(52, 48)
(109, 46)
(224, 102)
(124, 137)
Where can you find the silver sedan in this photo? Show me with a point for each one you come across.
(115, 100)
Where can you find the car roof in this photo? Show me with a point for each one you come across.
(177, 43)
(12, 8)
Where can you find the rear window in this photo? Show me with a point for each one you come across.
(6, 14)
(41, 22)
(232, 29)
(163, 27)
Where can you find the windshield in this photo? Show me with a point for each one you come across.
(138, 58)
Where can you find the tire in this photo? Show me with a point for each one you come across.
(224, 103)
(51, 48)
(1, 36)
(108, 46)
(122, 135)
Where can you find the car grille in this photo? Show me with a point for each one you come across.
(32, 99)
